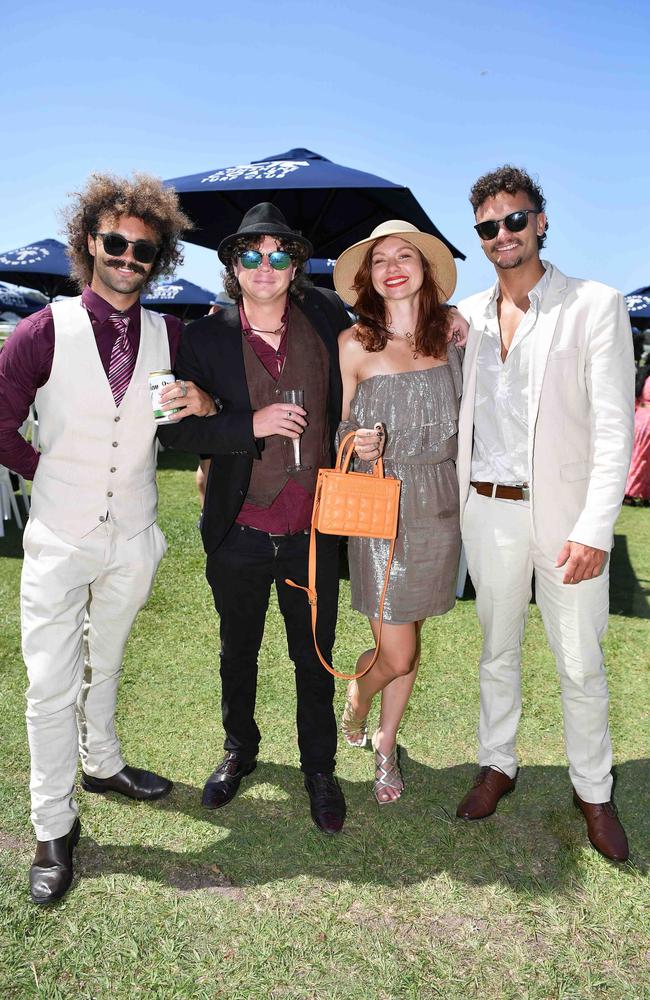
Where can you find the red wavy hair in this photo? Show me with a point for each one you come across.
(430, 335)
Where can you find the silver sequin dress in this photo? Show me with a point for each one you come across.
(420, 412)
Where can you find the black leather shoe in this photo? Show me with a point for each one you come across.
(50, 875)
(130, 781)
(224, 781)
(326, 801)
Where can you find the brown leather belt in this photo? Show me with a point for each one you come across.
(502, 492)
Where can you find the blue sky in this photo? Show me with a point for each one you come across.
(427, 94)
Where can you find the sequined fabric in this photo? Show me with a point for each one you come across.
(420, 413)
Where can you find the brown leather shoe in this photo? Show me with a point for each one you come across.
(482, 799)
(604, 828)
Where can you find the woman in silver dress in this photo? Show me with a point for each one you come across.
(402, 373)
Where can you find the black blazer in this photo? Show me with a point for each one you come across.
(210, 355)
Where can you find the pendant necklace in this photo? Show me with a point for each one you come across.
(269, 333)
(408, 337)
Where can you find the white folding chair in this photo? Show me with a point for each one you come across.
(30, 428)
(8, 504)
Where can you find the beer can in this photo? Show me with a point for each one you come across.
(157, 382)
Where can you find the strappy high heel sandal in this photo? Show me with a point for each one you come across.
(388, 774)
(354, 729)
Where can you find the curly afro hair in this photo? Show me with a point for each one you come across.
(511, 180)
(144, 197)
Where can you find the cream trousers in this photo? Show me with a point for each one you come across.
(78, 603)
(501, 557)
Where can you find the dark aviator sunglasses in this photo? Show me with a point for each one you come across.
(144, 251)
(514, 223)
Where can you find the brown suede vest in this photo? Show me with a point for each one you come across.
(306, 367)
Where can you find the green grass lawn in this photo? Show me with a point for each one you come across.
(170, 901)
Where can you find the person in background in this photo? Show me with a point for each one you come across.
(203, 468)
(637, 488)
(544, 442)
(92, 545)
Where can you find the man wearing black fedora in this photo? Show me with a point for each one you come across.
(279, 337)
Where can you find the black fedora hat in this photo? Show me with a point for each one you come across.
(263, 220)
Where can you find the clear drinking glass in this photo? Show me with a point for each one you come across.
(295, 397)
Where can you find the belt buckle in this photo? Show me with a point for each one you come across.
(525, 492)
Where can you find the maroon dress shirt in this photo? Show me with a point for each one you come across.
(26, 363)
(290, 512)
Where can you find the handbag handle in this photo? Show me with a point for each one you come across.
(343, 459)
(345, 453)
(312, 597)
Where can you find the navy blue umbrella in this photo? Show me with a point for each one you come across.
(180, 298)
(19, 301)
(43, 265)
(333, 206)
(638, 306)
(321, 271)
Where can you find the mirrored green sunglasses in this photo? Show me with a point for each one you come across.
(279, 260)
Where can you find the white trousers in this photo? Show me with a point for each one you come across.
(78, 603)
(501, 557)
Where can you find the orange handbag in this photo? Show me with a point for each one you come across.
(356, 504)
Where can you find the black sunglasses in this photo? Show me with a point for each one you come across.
(514, 223)
(144, 251)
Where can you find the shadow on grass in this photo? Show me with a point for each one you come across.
(180, 461)
(628, 595)
(535, 843)
(11, 545)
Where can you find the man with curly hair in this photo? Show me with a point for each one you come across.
(545, 435)
(92, 545)
(281, 335)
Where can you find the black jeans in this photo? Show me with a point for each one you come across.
(240, 573)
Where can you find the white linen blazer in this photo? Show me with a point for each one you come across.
(580, 410)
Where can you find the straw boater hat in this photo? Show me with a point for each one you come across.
(433, 249)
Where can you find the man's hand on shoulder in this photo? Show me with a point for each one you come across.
(581, 562)
(457, 327)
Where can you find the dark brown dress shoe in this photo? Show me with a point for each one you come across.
(326, 802)
(604, 828)
(50, 875)
(482, 799)
(224, 781)
(130, 781)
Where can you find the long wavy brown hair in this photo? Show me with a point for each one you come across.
(430, 334)
(144, 197)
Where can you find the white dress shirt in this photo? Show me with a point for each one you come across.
(500, 451)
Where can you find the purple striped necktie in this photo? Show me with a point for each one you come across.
(122, 361)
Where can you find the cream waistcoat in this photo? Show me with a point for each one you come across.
(97, 460)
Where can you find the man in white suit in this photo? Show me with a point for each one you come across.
(545, 438)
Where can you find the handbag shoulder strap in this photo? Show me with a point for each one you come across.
(312, 596)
